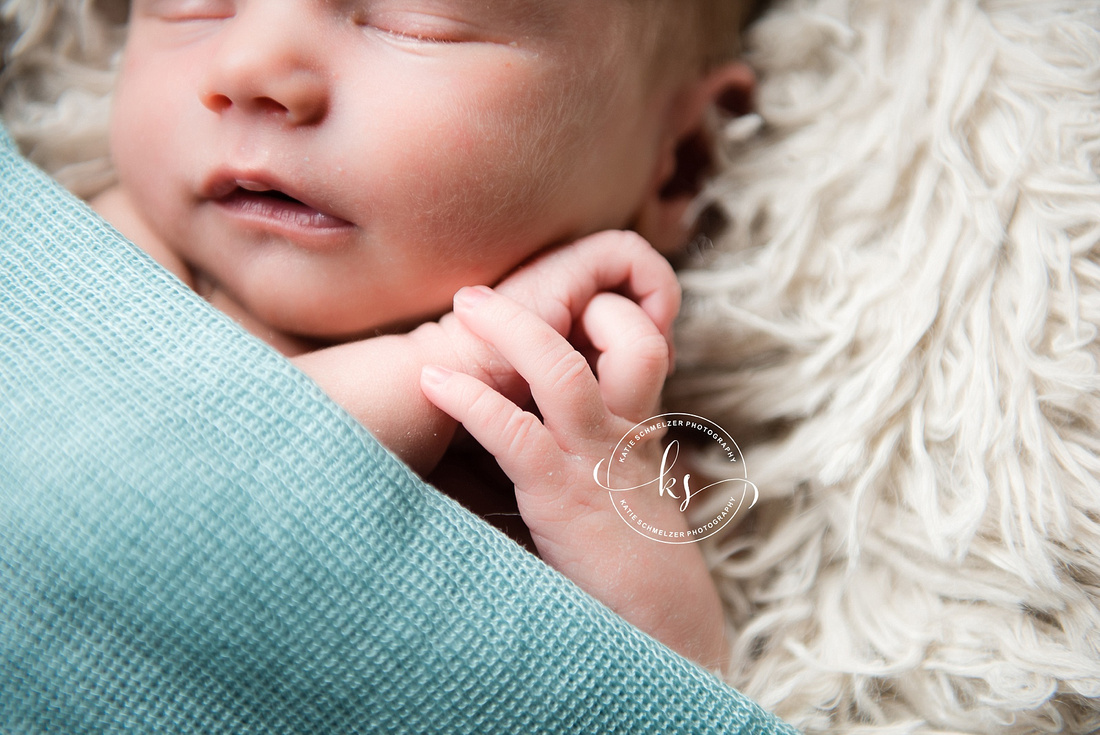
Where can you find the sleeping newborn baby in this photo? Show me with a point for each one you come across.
(346, 180)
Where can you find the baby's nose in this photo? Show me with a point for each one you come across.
(267, 63)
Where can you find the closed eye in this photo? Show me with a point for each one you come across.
(187, 10)
(417, 27)
(421, 36)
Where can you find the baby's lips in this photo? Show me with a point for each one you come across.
(227, 183)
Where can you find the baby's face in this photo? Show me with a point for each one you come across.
(338, 166)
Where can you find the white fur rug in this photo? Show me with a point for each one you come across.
(900, 327)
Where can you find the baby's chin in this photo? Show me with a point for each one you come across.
(295, 331)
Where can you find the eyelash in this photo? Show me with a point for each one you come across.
(417, 37)
(422, 38)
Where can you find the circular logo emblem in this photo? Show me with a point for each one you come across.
(725, 496)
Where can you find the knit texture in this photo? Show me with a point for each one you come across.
(194, 539)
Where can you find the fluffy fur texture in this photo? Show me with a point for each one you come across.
(899, 325)
(55, 85)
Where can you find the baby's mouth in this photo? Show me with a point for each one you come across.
(261, 202)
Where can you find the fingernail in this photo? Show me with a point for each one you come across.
(472, 295)
(435, 375)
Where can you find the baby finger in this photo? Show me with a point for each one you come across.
(634, 356)
(520, 444)
(559, 283)
(561, 382)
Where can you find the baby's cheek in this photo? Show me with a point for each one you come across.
(487, 189)
(148, 132)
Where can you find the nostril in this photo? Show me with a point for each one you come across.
(298, 114)
(221, 103)
(268, 105)
(217, 102)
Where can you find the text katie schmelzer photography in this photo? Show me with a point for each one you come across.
(723, 497)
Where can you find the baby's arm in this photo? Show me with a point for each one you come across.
(377, 380)
(663, 589)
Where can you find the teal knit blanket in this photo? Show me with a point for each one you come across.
(193, 538)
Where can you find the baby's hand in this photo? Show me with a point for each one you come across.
(663, 589)
(558, 285)
(377, 380)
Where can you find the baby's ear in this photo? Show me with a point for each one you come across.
(686, 156)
